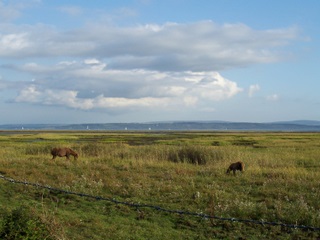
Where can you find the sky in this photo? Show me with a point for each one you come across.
(64, 62)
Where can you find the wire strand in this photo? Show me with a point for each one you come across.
(158, 208)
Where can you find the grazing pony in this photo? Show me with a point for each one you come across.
(235, 166)
(63, 152)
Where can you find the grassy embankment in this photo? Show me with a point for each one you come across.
(174, 170)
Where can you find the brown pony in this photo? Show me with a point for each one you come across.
(61, 152)
(235, 166)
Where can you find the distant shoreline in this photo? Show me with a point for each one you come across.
(295, 126)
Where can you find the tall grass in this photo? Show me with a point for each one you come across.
(176, 171)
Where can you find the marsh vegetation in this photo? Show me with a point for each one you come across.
(174, 170)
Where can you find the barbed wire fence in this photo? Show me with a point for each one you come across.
(158, 208)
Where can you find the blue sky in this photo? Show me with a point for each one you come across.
(147, 60)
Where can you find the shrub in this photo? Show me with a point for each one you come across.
(189, 154)
(21, 224)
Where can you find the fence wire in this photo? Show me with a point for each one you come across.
(158, 208)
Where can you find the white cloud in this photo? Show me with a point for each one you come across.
(215, 87)
(91, 61)
(95, 64)
(70, 99)
(273, 97)
(83, 85)
(29, 94)
(167, 47)
(253, 89)
(13, 42)
(168, 66)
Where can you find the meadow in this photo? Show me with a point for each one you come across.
(183, 171)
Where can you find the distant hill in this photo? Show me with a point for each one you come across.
(299, 125)
(302, 122)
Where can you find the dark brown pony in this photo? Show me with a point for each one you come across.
(236, 166)
(63, 152)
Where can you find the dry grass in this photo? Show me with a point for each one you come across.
(174, 170)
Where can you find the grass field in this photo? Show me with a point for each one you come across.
(173, 170)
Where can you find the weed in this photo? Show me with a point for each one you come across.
(20, 223)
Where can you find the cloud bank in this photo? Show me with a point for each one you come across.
(90, 84)
(99, 66)
(200, 46)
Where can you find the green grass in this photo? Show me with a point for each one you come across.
(173, 170)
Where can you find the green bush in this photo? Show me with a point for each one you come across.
(21, 224)
(189, 154)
